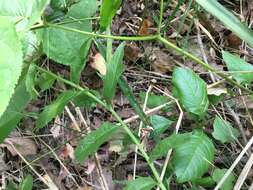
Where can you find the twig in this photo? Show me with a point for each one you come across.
(177, 129)
(202, 48)
(148, 113)
(139, 131)
(237, 120)
(244, 173)
(229, 171)
(97, 162)
(61, 163)
(71, 116)
(48, 183)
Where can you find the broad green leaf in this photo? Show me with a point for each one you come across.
(25, 12)
(30, 80)
(30, 45)
(82, 100)
(228, 184)
(10, 61)
(193, 158)
(91, 142)
(172, 141)
(205, 182)
(13, 114)
(223, 131)
(107, 12)
(141, 183)
(114, 70)
(11, 186)
(153, 100)
(27, 183)
(228, 19)
(83, 9)
(127, 91)
(55, 108)
(160, 124)
(76, 69)
(236, 64)
(191, 91)
(66, 47)
(45, 81)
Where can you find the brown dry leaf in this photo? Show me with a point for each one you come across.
(132, 52)
(24, 146)
(99, 64)
(55, 130)
(162, 62)
(144, 28)
(68, 151)
(233, 40)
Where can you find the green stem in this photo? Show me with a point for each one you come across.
(161, 17)
(110, 109)
(92, 34)
(203, 64)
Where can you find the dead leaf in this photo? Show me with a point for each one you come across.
(55, 130)
(99, 64)
(68, 151)
(23, 145)
(144, 28)
(132, 52)
(161, 62)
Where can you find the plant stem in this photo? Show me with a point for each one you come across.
(117, 117)
(92, 34)
(161, 17)
(203, 64)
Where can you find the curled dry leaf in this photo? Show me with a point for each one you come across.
(23, 145)
(145, 27)
(99, 64)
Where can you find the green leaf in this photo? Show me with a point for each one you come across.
(205, 181)
(55, 108)
(107, 12)
(76, 69)
(228, 19)
(67, 47)
(91, 142)
(25, 12)
(45, 81)
(192, 158)
(10, 62)
(162, 147)
(114, 69)
(153, 100)
(141, 183)
(11, 186)
(235, 63)
(83, 9)
(82, 100)
(27, 183)
(223, 131)
(13, 113)
(127, 91)
(64, 46)
(228, 184)
(191, 91)
(160, 124)
(30, 80)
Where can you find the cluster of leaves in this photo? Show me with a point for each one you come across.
(62, 30)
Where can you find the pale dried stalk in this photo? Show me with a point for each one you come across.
(48, 182)
(97, 162)
(139, 131)
(61, 163)
(244, 173)
(229, 171)
(177, 129)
